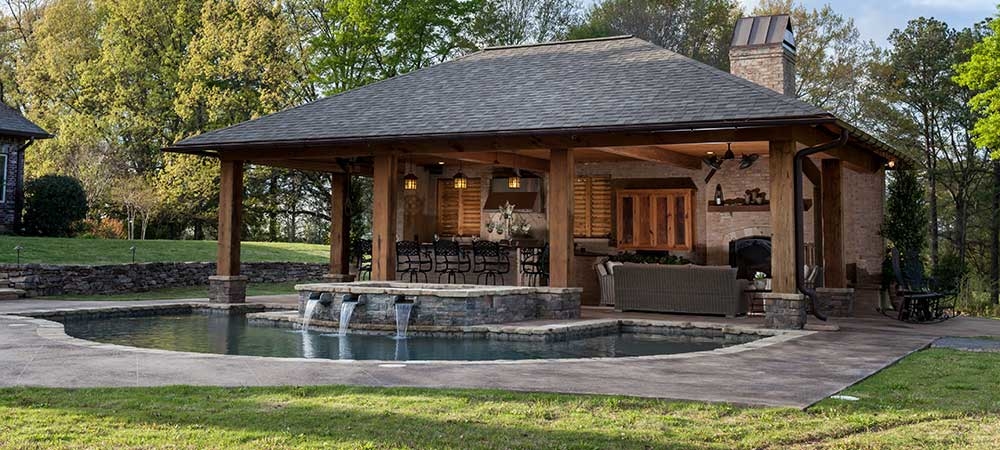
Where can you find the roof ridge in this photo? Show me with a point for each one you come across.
(565, 42)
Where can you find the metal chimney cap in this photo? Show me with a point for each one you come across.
(764, 31)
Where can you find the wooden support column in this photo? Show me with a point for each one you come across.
(834, 270)
(340, 224)
(818, 236)
(783, 266)
(384, 218)
(230, 217)
(562, 172)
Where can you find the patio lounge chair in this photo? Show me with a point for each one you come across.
(921, 301)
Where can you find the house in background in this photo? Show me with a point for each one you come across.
(16, 134)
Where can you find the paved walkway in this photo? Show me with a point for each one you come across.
(794, 372)
(969, 344)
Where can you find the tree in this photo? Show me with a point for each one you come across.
(53, 205)
(514, 22)
(138, 197)
(905, 214)
(700, 29)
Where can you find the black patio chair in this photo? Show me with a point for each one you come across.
(450, 261)
(535, 265)
(490, 262)
(921, 300)
(363, 258)
(412, 260)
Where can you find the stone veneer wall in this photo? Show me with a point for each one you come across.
(15, 161)
(43, 279)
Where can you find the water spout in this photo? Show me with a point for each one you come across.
(403, 310)
(309, 311)
(347, 305)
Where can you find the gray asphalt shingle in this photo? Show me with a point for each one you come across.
(575, 84)
(13, 123)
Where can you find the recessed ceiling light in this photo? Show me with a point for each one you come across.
(440, 163)
(711, 153)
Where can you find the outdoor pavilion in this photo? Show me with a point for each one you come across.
(544, 107)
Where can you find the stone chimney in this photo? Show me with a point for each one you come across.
(763, 51)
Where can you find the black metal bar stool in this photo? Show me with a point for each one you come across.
(490, 262)
(535, 265)
(450, 261)
(412, 260)
(363, 258)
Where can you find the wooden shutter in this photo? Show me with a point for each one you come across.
(459, 211)
(592, 206)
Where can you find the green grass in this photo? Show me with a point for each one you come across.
(935, 398)
(115, 251)
(181, 293)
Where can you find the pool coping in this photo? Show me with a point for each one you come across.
(55, 331)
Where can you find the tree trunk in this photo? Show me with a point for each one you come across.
(932, 181)
(199, 231)
(995, 236)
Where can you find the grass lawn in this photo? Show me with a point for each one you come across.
(181, 292)
(936, 398)
(116, 251)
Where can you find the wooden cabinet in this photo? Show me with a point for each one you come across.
(655, 219)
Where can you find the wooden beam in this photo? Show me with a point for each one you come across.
(858, 160)
(301, 164)
(340, 224)
(523, 141)
(818, 234)
(500, 159)
(811, 172)
(384, 218)
(230, 217)
(834, 269)
(562, 174)
(653, 153)
(783, 266)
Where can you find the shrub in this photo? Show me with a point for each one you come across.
(52, 205)
(949, 272)
(905, 224)
(105, 228)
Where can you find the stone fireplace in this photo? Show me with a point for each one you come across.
(750, 255)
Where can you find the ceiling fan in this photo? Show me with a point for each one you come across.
(714, 162)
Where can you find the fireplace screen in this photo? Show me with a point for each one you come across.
(750, 255)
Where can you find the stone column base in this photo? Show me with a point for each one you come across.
(835, 302)
(227, 289)
(784, 311)
(338, 278)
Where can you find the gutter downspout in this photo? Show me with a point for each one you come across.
(19, 192)
(800, 250)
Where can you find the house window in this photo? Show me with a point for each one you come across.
(592, 207)
(655, 219)
(3, 178)
(459, 211)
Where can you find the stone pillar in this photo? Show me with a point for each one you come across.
(835, 302)
(227, 289)
(784, 311)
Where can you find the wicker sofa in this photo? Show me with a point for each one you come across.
(689, 289)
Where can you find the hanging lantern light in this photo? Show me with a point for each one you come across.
(410, 180)
(460, 181)
(514, 182)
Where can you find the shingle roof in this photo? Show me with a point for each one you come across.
(568, 85)
(13, 123)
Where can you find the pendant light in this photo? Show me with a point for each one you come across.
(729, 152)
(514, 182)
(410, 180)
(460, 181)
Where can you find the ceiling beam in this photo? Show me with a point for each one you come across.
(858, 160)
(500, 159)
(811, 171)
(315, 166)
(654, 154)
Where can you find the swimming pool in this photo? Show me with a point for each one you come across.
(235, 335)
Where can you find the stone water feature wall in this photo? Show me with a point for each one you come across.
(45, 279)
(445, 305)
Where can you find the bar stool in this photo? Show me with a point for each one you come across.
(450, 260)
(412, 260)
(490, 261)
(363, 258)
(535, 265)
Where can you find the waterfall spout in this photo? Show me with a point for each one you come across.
(347, 305)
(403, 310)
(308, 312)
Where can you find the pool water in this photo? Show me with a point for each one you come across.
(234, 335)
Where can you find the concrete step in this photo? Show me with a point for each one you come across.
(11, 294)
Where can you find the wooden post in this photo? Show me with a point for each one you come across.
(230, 217)
(818, 236)
(783, 266)
(384, 218)
(562, 172)
(834, 270)
(340, 223)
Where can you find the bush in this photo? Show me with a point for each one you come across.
(105, 228)
(52, 205)
(949, 272)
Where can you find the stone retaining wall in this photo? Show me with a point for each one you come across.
(45, 279)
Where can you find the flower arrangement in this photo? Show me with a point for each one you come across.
(506, 222)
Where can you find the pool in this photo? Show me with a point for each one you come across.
(235, 335)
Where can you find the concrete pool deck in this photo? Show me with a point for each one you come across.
(794, 372)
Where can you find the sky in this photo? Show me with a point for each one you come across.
(877, 18)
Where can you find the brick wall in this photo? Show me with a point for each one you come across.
(864, 197)
(760, 64)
